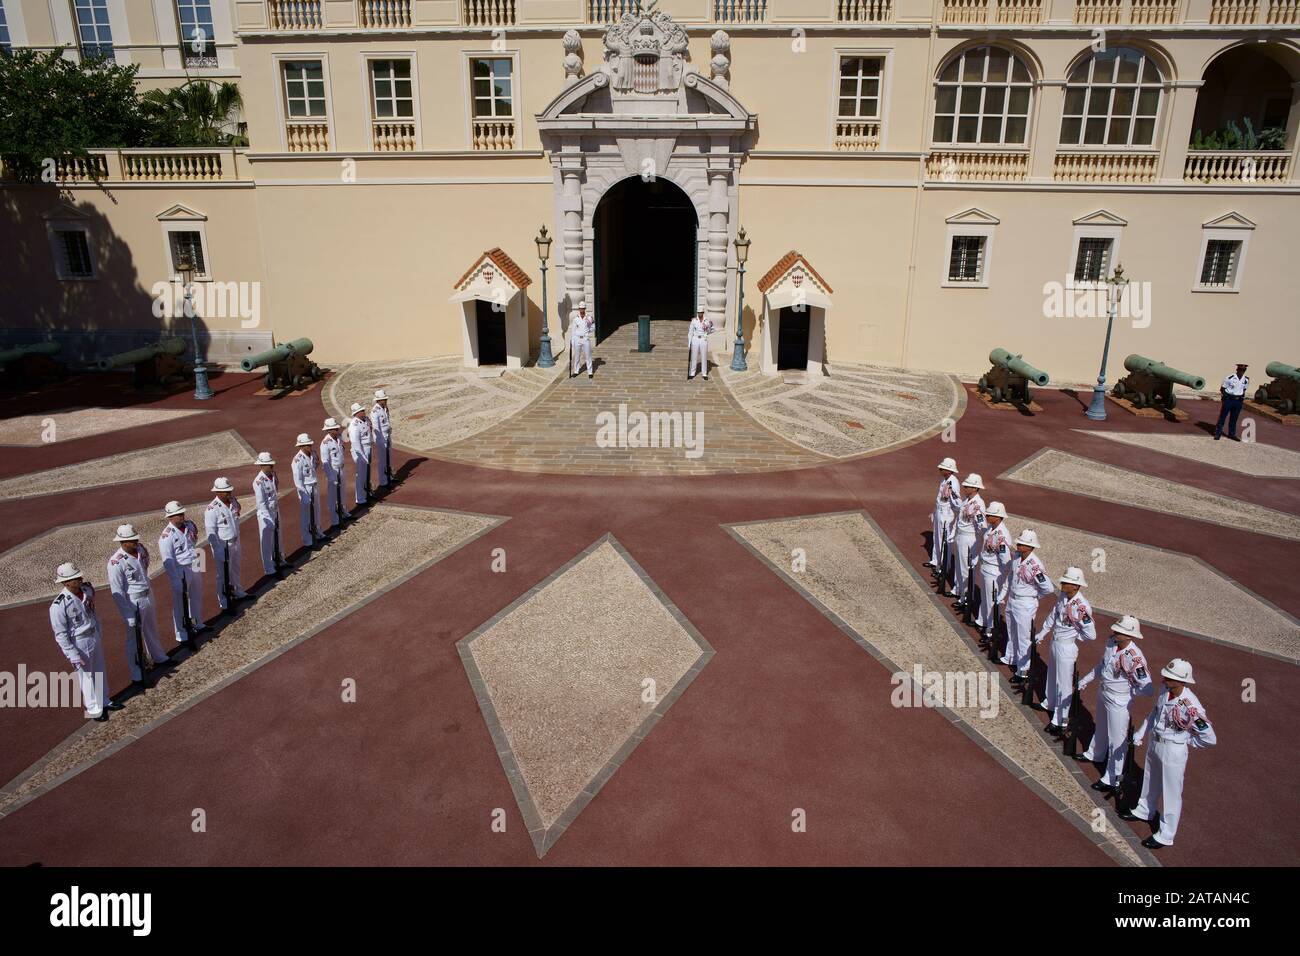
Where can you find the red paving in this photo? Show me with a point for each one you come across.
(789, 714)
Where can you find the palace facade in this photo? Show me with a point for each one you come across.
(920, 181)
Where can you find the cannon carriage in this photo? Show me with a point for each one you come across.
(1008, 380)
(1283, 393)
(287, 365)
(24, 363)
(153, 366)
(1150, 384)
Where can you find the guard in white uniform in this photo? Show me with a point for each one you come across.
(178, 548)
(969, 535)
(221, 524)
(1123, 675)
(994, 565)
(362, 441)
(331, 460)
(697, 338)
(128, 579)
(582, 328)
(945, 502)
(1027, 581)
(382, 428)
(304, 481)
(1069, 621)
(1178, 721)
(266, 493)
(76, 628)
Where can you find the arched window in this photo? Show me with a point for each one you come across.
(983, 96)
(1112, 99)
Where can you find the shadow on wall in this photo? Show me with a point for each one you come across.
(45, 297)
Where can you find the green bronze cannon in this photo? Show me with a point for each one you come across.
(287, 365)
(1150, 384)
(1008, 380)
(1283, 393)
(154, 366)
(24, 362)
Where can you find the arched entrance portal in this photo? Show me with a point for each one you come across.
(645, 254)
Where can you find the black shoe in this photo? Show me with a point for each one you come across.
(1234, 438)
(1151, 843)
(1103, 787)
(203, 629)
(1126, 814)
(141, 685)
(928, 564)
(590, 375)
(1053, 730)
(1217, 437)
(103, 716)
(1081, 758)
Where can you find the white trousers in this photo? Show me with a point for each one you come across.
(1060, 679)
(699, 356)
(963, 553)
(223, 553)
(148, 631)
(1110, 742)
(382, 460)
(266, 534)
(194, 584)
(362, 468)
(92, 679)
(307, 511)
(333, 503)
(988, 579)
(1162, 786)
(1020, 631)
(578, 349)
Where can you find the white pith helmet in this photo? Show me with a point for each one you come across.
(973, 480)
(264, 458)
(381, 395)
(582, 304)
(357, 407)
(1073, 576)
(1179, 670)
(173, 509)
(948, 464)
(126, 532)
(1028, 537)
(303, 440)
(222, 484)
(67, 572)
(330, 423)
(997, 509)
(1128, 626)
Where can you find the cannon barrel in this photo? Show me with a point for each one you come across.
(36, 348)
(1017, 364)
(1282, 370)
(173, 346)
(277, 354)
(1140, 363)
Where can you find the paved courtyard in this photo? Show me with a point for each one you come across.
(545, 647)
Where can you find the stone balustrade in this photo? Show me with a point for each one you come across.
(1237, 167)
(1105, 166)
(392, 136)
(199, 165)
(307, 137)
(494, 134)
(857, 135)
(958, 165)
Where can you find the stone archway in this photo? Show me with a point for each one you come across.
(646, 112)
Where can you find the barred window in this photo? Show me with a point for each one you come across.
(1220, 265)
(859, 96)
(983, 97)
(1093, 261)
(492, 87)
(93, 31)
(198, 44)
(74, 253)
(186, 243)
(966, 262)
(1112, 99)
(304, 88)
(390, 84)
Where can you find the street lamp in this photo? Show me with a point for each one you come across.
(738, 350)
(186, 269)
(1115, 291)
(544, 359)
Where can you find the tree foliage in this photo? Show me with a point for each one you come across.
(196, 114)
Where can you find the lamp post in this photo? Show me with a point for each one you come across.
(1115, 291)
(544, 358)
(738, 350)
(186, 269)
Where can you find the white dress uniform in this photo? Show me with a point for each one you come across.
(1175, 724)
(382, 427)
(945, 501)
(178, 548)
(994, 567)
(698, 341)
(1069, 621)
(581, 330)
(76, 628)
(266, 494)
(1028, 581)
(221, 523)
(303, 467)
(128, 579)
(331, 459)
(1123, 675)
(361, 441)
(970, 532)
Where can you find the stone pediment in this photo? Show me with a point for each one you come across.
(794, 281)
(494, 277)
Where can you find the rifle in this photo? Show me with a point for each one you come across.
(143, 662)
(943, 559)
(190, 624)
(338, 496)
(368, 492)
(1027, 691)
(312, 517)
(994, 631)
(1071, 743)
(967, 611)
(1129, 786)
(275, 544)
(388, 460)
(225, 575)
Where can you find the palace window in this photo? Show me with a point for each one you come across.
(186, 242)
(1112, 99)
(492, 84)
(983, 96)
(198, 43)
(859, 95)
(72, 253)
(94, 34)
(1219, 267)
(304, 89)
(390, 86)
(966, 259)
(1092, 261)
(5, 43)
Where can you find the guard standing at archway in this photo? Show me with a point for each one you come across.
(698, 339)
(581, 331)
